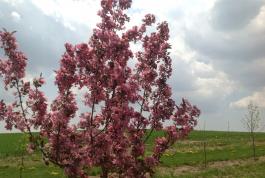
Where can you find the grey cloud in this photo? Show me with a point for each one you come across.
(234, 15)
(237, 56)
(207, 105)
(183, 86)
(41, 37)
(235, 52)
(182, 79)
(239, 46)
(250, 75)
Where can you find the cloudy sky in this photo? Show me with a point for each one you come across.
(218, 47)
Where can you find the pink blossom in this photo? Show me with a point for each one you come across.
(149, 19)
(150, 161)
(14, 67)
(2, 110)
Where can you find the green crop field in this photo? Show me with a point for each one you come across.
(228, 154)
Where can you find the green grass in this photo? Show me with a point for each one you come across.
(34, 172)
(33, 167)
(220, 146)
(11, 144)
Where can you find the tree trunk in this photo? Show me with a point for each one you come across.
(71, 176)
(22, 165)
(253, 145)
(205, 155)
(104, 173)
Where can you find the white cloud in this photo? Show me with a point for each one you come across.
(257, 98)
(209, 81)
(216, 85)
(15, 16)
(257, 25)
(70, 12)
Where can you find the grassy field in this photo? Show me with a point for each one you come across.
(228, 155)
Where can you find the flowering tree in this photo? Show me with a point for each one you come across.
(252, 122)
(113, 137)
